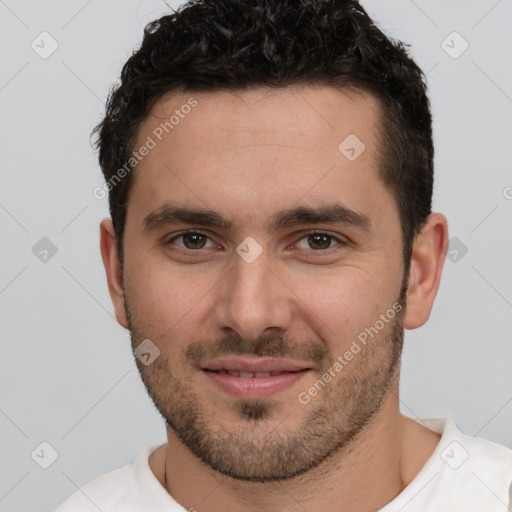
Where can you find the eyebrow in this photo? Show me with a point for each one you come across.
(336, 213)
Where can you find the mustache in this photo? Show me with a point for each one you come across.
(269, 345)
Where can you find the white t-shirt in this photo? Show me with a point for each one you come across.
(464, 474)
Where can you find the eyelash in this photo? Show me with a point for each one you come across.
(305, 235)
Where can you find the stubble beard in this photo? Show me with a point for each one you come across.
(255, 445)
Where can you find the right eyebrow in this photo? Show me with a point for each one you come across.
(170, 214)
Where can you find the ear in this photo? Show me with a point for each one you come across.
(429, 251)
(113, 269)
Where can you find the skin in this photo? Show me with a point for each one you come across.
(246, 156)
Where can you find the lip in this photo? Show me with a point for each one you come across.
(254, 387)
(254, 365)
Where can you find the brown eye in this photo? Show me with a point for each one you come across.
(191, 240)
(194, 240)
(319, 241)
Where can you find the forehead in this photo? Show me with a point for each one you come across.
(311, 116)
(260, 147)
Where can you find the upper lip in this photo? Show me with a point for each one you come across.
(254, 365)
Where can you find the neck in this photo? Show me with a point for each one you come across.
(366, 475)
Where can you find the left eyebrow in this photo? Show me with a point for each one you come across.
(336, 213)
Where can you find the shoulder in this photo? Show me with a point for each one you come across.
(477, 467)
(465, 472)
(107, 492)
(478, 452)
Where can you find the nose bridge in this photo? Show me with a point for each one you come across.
(252, 298)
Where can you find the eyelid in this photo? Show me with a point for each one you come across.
(186, 232)
(340, 239)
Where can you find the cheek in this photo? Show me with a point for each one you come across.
(163, 297)
(148, 293)
(341, 305)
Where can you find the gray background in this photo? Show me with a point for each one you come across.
(66, 371)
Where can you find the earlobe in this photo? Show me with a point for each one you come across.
(427, 261)
(112, 266)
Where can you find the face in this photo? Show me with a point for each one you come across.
(251, 238)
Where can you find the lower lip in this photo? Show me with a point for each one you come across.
(254, 387)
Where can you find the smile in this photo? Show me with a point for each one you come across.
(248, 375)
(254, 385)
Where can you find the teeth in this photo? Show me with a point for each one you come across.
(248, 375)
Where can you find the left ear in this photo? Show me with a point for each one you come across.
(429, 252)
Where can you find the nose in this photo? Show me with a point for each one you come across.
(252, 298)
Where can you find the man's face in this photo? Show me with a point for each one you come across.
(285, 294)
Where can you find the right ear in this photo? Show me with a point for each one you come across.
(113, 269)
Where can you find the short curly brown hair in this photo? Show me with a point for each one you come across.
(213, 45)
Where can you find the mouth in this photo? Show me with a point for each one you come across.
(250, 378)
(252, 375)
